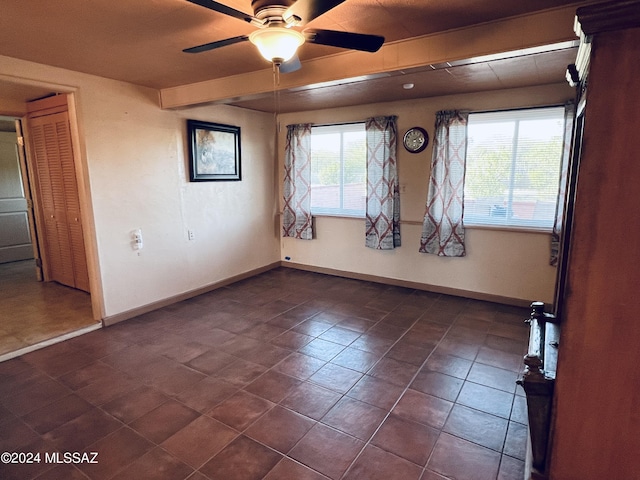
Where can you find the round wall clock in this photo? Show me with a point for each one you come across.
(415, 139)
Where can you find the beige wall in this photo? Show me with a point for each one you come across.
(133, 159)
(141, 181)
(134, 163)
(498, 263)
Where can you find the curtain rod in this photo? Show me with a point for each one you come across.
(337, 124)
(463, 110)
(330, 124)
(355, 122)
(521, 108)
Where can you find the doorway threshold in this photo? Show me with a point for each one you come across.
(50, 341)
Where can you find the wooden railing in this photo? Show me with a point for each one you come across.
(538, 381)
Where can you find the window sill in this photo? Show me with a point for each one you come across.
(542, 231)
(338, 215)
(510, 228)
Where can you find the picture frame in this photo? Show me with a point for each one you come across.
(214, 152)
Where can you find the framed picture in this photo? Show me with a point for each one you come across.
(214, 151)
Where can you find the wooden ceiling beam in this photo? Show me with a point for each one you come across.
(507, 35)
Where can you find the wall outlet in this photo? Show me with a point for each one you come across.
(190, 234)
(136, 239)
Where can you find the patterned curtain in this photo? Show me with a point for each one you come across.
(442, 229)
(296, 214)
(569, 114)
(382, 220)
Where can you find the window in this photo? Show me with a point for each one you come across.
(339, 170)
(513, 167)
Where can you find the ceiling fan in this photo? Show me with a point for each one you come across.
(275, 38)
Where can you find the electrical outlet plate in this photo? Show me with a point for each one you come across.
(136, 236)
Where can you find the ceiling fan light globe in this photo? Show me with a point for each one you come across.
(276, 43)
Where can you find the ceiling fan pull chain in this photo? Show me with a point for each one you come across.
(276, 91)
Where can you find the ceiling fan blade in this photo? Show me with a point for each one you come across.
(218, 7)
(218, 44)
(291, 65)
(306, 10)
(353, 41)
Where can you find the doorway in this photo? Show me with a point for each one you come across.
(15, 231)
(32, 311)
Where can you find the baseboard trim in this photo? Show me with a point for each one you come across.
(487, 297)
(120, 317)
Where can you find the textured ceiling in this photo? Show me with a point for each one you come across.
(517, 71)
(141, 41)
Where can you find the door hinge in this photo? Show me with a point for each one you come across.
(21, 141)
(38, 263)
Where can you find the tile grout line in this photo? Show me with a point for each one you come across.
(368, 442)
(343, 395)
(324, 308)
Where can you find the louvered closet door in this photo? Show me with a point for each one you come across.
(58, 191)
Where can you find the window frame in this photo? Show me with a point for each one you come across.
(519, 114)
(340, 128)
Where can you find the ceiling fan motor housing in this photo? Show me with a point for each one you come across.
(275, 38)
(258, 5)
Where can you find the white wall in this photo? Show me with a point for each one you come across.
(499, 263)
(141, 181)
(134, 158)
(135, 161)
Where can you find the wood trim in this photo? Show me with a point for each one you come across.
(29, 194)
(86, 209)
(35, 196)
(66, 101)
(111, 320)
(47, 106)
(552, 26)
(487, 297)
(605, 17)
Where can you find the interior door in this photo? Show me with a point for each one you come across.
(28, 193)
(15, 235)
(59, 201)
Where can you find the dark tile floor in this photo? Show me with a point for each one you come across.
(287, 375)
